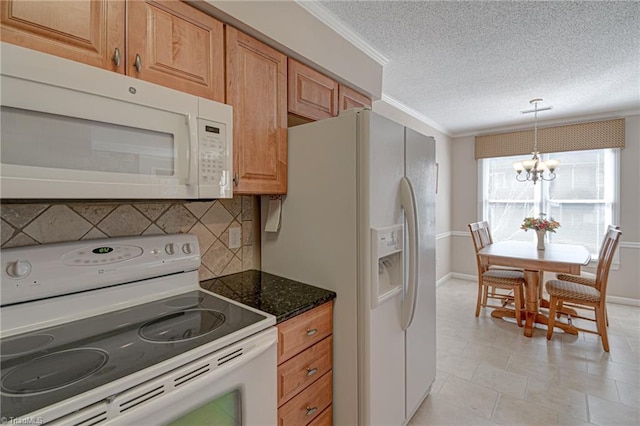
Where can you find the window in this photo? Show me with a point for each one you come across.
(583, 197)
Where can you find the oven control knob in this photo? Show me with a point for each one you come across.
(187, 249)
(18, 269)
(170, 248)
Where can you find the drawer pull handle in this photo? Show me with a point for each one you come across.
(311, 371)
(311, 410)
(311, 331)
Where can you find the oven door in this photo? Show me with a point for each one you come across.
(234, 386)
(239, 388)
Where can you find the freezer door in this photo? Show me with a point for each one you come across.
(420, 337)
(382, 348)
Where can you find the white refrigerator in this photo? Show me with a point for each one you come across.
(359, 219)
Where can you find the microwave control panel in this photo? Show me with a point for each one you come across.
(214, 169)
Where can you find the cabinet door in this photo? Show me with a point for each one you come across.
(311, 94)
(257, 90)
(349, 98)
(87, 31)
(175, 45)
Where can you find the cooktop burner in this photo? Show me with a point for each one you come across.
(49, 365)
(183, 325)
(20, 345)
(53, 371)
(184, 302)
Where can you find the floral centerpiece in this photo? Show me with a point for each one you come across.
(541, 226)
(540, 223)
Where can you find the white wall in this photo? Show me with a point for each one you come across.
(624, 279)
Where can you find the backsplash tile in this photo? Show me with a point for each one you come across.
(57, 223)
(123, 221)
(25, 223)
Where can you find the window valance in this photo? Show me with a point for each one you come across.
(573, 137)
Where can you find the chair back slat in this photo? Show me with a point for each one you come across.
(481, 236)
(605, 257)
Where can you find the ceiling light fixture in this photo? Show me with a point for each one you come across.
(535, 167)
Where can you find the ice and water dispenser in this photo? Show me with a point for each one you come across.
(386, 263)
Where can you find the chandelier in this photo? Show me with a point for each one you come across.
(534, 169)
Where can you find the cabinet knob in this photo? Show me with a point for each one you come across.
(311, 331)
(311, 410)
(116, 57)
(138, 62)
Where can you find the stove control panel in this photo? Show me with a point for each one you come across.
(36, 272)
(102, 255)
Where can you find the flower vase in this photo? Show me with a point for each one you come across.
(540, 235)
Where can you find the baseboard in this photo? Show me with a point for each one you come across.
(443, 279)
(610, 299)
(467, 277)
(623, 301)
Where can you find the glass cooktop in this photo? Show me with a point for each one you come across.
(49, 365)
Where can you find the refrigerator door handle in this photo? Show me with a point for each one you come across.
(408, 202)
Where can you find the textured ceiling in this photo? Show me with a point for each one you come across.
(470, 66)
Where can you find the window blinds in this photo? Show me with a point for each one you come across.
(573, 137)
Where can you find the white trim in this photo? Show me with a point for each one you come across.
(443, 235)
(333, 22)
(623, 301)
(629, 244)
(466, 277)
(461, 234)
(443, 279)
(610, 299)
(414, 113)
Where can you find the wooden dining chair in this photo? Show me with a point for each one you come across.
(585, 297)
(587, 278)
(491, 280)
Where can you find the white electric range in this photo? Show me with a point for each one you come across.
(118, 331)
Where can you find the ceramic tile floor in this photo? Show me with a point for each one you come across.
(488, 373)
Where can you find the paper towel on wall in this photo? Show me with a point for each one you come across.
(274, 211)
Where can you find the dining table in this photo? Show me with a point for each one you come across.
(556, 257)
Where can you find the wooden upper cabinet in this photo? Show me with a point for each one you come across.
(87, 31)
(349, 98)
(178, 46)
(311, 94)
(257, 90)
(172, 44)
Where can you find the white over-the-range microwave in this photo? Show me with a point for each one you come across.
(69, 130)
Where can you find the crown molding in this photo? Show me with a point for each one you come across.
(333, 22)
(415, 114)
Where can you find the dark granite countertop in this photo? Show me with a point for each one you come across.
(281, 297)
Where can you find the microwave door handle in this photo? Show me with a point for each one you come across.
(192, 150)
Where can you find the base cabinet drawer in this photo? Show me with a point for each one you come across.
(324, 419)
(305, 368)
(308, 404)
(303, 331)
